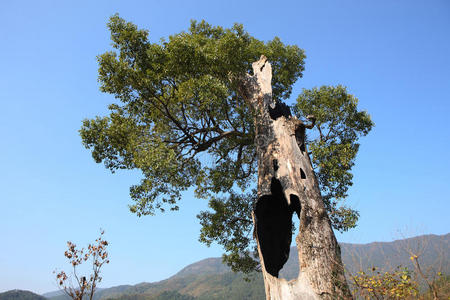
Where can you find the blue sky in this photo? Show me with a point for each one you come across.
(393, 55)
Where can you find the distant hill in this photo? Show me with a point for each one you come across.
(20, 295)
(209, 279)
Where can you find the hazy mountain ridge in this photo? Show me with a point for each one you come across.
(20, 295)
(386, 255)
(210, 279)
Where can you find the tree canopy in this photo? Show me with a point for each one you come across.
(181, 120)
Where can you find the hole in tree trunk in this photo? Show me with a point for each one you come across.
(280, 109)
(274, 226)
(302, 174)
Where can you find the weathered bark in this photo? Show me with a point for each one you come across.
(287, 184)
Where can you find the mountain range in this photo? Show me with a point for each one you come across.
(211, 279)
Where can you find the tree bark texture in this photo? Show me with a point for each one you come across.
(287, 185)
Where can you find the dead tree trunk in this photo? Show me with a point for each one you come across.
(287, 184)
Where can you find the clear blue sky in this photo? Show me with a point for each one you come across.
(393, 55)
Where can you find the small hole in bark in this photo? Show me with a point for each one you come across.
(295, 204)
(275, 165)
(302, 174)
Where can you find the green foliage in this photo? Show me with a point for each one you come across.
(176, 102)
(180, 120)
(338, 127)
(233, 233)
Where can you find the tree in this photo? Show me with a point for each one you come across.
(85, 285)
(189, 114)
(430, 279)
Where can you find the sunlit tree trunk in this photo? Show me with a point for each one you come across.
(287, 185)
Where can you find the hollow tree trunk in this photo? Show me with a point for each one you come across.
(287, 184)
